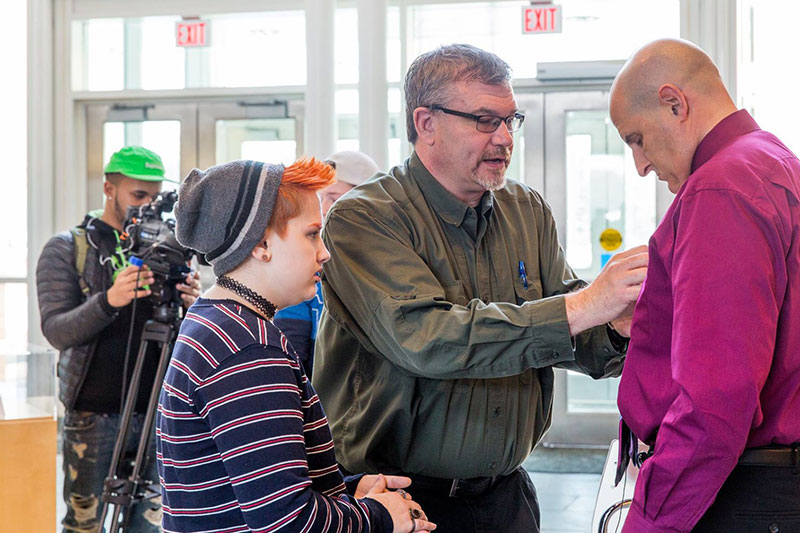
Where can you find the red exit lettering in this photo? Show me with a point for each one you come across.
(191, 33)
(541, 19)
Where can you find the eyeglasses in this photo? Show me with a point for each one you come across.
(486, 123)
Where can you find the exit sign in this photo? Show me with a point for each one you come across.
(542, 18)
(191, 33)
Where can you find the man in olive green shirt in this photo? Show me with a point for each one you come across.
(448, 301)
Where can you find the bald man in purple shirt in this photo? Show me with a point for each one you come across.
(712, 377)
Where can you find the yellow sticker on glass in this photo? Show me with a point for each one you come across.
(610, 239)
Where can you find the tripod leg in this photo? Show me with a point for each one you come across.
(152, 405)
(143, 451)
(164, 335)
(112, 483)
(118, 490)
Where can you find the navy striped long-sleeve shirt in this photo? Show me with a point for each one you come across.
(242, 441)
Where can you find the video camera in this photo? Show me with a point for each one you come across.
(151, 241)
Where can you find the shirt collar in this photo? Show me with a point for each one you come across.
(734, 125)
(447, 206)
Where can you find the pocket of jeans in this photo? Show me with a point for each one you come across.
(79, 421)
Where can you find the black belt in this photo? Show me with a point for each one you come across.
(771, 456)
(454, 488)
(767, 456)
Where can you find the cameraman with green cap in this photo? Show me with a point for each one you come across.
(93, 306)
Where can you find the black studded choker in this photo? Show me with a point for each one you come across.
(266, 307)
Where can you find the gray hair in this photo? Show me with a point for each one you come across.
(430, 75)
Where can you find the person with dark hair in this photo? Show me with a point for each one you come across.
(300, 322)
(243, 442)
(92, 300)
(712, 380)
(448, 301)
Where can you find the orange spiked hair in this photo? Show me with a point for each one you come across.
(304, 175)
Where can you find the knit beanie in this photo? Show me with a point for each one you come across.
(223, 212)
(352, 167)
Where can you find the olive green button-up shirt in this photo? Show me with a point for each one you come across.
(433, 356)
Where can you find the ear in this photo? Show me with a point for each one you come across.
(108, 189)
(426, 127)
(671, 96)
(262, 252)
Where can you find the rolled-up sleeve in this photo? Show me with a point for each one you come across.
(405, 312)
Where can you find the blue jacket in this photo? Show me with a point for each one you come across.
(299, 324)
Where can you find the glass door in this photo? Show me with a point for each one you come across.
(529, 143)
(270, 131)
(170, 130)
(188, 135)
(601, 206)
(591, 181)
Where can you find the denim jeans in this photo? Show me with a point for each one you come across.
(88, 447)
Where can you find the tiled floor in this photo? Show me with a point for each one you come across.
(566, 500)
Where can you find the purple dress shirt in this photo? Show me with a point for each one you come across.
(713, 365)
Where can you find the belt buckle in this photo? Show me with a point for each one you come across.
(454, 488)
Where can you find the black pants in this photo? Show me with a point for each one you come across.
(756, 499)
(508, 506)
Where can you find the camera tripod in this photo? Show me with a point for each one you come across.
(119, 490)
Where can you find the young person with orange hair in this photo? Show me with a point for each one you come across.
(242, 441)
(300, 322)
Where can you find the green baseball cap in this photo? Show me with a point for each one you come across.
(137, 163)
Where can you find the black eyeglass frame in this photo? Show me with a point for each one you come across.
(508, 121)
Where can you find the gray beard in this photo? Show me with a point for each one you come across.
(495, 186)
(492, 185)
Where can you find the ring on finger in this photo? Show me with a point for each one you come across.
(403, 494)
(413, 519)
(415, 513)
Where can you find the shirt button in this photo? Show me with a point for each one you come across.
(554, 355)
(492, 465)
(497, 411)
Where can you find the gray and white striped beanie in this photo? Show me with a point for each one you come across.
(223, 212)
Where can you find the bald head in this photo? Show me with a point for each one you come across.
(664, 101)
(669, 61)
